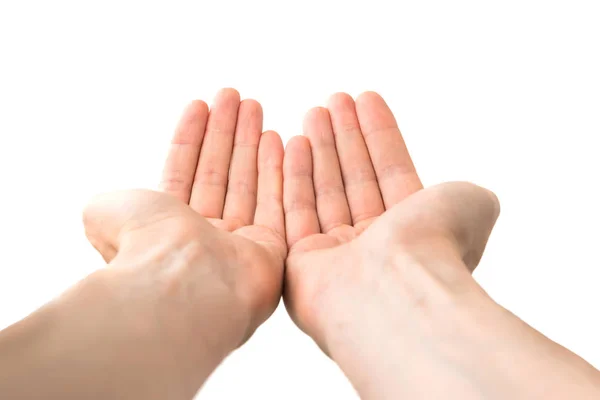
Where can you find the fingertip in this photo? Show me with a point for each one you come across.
(371, 102)
(270, 149)
(494, 202)
(229, 94)
(195, 112)
(340, 100)
(314, 117)
(485, 195)
(296, 144)
(369, 96)
(249, 123)
(251, 106)
(273, 137)
(316, 112)
(497, 204)
(195, 107)
(298, 156)
(480, 198)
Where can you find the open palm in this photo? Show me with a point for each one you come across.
(357, 216)
(350, 166)
(229, 172)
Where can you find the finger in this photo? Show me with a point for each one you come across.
(469, 212)
(298, 192)
(360, 181)
(240, 201)
(180, 167)
(462, 212)
(393, 166)
(332, 206)
(269, 200)
(210, 182)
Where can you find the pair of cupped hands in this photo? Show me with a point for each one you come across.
(331, 222)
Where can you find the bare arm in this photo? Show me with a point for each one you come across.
(192, 273)
(122, 333)
(379, 271)
(444, 342)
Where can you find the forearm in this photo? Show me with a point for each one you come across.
(120, 334)
(421, 339)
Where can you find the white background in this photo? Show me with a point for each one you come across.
(505, 94)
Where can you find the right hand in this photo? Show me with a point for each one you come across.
(368, 230)
(378, 271)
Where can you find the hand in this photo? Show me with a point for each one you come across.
(231, 174)
(368, 247)
(196, 271)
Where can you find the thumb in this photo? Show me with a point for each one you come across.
(110, 219)
(462, 212)
(469, 213)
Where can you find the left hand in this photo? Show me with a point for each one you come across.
(225, 208)
(230, 173)
(193, 274)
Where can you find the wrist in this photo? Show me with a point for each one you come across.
(115, 326)
(187, 304)
(420, 325)
(395, 334)
(89, 343)
(405, 290)
(149, 324)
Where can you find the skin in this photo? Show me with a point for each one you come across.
(193, 271)
(230, 173)
(378, 272)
